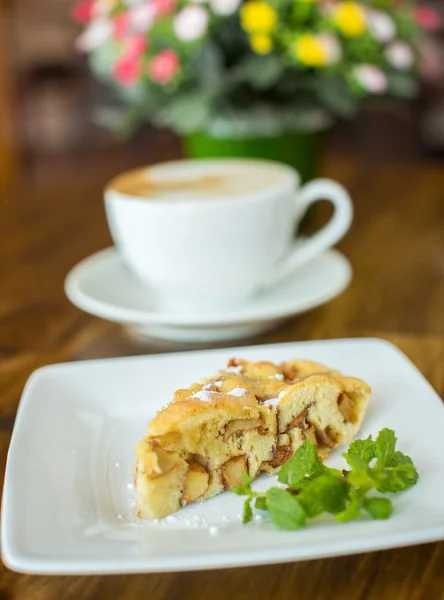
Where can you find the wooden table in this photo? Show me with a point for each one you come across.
(397, 250)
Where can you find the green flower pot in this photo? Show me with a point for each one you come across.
(299, 150)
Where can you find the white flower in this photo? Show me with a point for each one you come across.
(400, 55)
(381, 25)
(225, 7)
(191, 23)
(332, 47)
(371, 78)
(142, 16)
(96, 34)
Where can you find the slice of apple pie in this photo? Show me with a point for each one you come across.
(249, 417)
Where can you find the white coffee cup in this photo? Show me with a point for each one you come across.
(208, 234)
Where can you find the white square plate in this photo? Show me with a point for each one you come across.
(68, 499)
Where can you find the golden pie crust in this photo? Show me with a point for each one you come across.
(249, 417)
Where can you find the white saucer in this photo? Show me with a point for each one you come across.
(103, 286)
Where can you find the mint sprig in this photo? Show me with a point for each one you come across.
(312, 488)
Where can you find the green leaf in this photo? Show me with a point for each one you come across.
(366, 449)
(248, 511)
(352, 510)
(261, 72)
(334, 94)
(385, 446)
(378, 508)
(186, 112)
(360, 475)
(304, 462)
(394, 471)
(324, 494)
(240, 490)
(209, 68)
(245, 488)
(246, 479)
(261, 503)
(284, 509)
(401, 476)
(403, 85)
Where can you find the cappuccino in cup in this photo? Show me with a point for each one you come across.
(207, 235)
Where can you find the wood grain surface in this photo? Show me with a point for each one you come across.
(396, 247)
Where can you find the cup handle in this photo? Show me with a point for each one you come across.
(329, 235)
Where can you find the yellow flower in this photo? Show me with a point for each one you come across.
(258, 17)
(261, 43)
(350, 18)
(310, 50)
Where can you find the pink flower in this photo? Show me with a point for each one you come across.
(372, 79)
(191, 23)
(127, 71)
(427, 18)
(164, 66)
(164, 7)
(83, 11)
(122, 26)
(135, 47)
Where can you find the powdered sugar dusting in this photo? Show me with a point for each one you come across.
(236, 370)
(238, 392)
(180, 521)
(204, 395)
(278, 376)
(270, 402)
(282, 394)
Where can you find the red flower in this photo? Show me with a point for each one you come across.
(164, 66)
(136, 46)
(164, 7)
(427, 18)
(83, 11)
(128, 68)
(121, 25)
(127, 71)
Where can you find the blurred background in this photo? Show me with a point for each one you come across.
(48, 101)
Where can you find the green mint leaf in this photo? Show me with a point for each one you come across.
(401, 476)
(261, 503)
(385, 447)
(352, 510)
(248, 511)
(246, 479)
(333, 472)
(378, 508)
(240, 490)
(284, 509)
(361, 475)
(245, 489)
(304, 462)
(324, 494)
(365, 449)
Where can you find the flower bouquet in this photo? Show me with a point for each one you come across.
(227, 72)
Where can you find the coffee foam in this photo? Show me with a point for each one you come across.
(200, 179)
